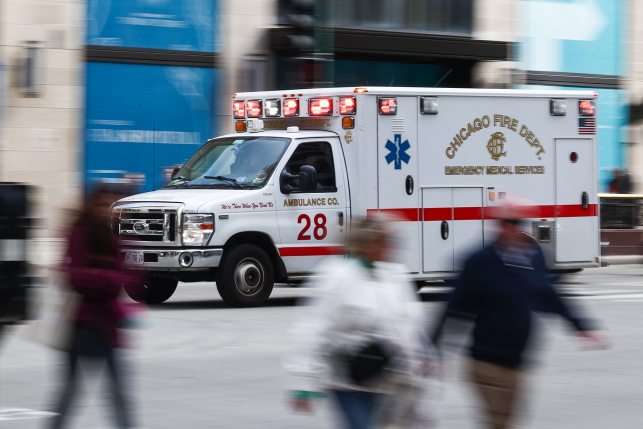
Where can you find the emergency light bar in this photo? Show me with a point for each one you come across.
(291, 107)
(347, 105)
(239, 109)
(558, 107)
(320, 107)
(586, 107)
(273, 108)
(388, 106)
(429, 105)
(254, 108)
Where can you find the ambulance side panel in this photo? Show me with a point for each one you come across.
(509, 144)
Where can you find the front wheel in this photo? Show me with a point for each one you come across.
(245, 276)
(154, 291)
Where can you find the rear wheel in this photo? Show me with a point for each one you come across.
(154, 291)
(245, 276)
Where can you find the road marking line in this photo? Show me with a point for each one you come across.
(22, 413)
(620, 296)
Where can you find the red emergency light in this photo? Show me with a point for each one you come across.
(291, 107)
(347, 105)
(388, 106)
(586, 107)
(320, 107)
(239, 109)
(254, 108)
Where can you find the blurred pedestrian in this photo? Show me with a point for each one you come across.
(500, 287)
(95, 273)
(620, 183)
(360, 341)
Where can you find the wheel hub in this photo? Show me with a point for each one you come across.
(248, 276)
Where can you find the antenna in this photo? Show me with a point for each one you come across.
(447, 74)
(391, 84)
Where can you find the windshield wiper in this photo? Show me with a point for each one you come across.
(226, 179)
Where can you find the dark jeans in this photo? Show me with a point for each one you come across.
(358, 408)
(90, 344)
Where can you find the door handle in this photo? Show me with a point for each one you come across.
(409, 185)
(584, 199)
(444, 229)
(341, 218)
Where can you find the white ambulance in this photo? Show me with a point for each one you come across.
(267, 203)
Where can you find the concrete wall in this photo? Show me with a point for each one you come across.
(495, 20)
(40, 136)
(634, 86)
(242, 26)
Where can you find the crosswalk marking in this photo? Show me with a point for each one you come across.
(22, 413)
(620, 295)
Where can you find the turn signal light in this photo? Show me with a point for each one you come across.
(239, 109)
(347, 105)
(254, 108)
(388, 106)
(360, 90)
(240, 126)
(291, 107)
(348, 122)
(320, 107)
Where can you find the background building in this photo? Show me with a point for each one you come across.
(42, 97)
(95, 90)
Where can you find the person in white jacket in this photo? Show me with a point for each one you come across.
(361, 341)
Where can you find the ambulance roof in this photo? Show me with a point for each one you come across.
(302, 134)
(401, 91)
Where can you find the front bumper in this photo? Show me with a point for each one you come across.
(164, 259)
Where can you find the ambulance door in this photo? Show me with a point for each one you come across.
(398, 190)
(468, 228)
(312, 225)
(437, 229)
(576, 209)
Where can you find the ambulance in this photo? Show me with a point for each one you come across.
(267, 203)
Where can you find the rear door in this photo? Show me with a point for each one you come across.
(437, 229)
(452, 227)
(312, 225)
(397, 146)
(576, 224)
(467, 215)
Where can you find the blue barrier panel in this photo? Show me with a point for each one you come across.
(145, 119)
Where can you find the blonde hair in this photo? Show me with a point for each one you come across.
(367, 232)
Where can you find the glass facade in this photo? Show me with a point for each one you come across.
(375, 73)
(449, 16)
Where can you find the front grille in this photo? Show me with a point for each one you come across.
(145, 224)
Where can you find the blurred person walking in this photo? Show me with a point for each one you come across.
(95, 274)
(500, 287)
(360, 341)
(621, 183)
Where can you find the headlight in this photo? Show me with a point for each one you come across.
(197, 228)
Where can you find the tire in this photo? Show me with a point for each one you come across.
(155, 290)
(245, 276)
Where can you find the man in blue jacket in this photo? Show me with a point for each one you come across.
(500, 287)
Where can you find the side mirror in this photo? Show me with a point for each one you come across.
(307, 180)
(174, 171)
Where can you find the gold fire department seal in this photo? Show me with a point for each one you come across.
(496, 145)
(348, 137)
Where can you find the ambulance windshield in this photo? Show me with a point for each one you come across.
(237, 162)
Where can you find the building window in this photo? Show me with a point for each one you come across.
(449, 16)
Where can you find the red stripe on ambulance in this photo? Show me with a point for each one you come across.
(312, 251)
(476, 213)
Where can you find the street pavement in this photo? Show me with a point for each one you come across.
(200, 364)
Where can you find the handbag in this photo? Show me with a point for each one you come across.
(55, 311)
(368, 361)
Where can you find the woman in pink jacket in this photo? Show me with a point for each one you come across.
(96, 274)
